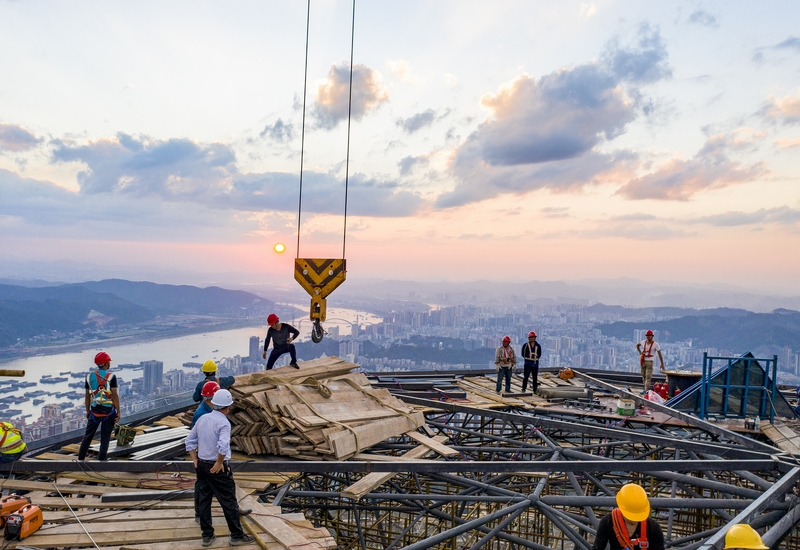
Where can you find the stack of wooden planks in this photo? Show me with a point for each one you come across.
(322, 410)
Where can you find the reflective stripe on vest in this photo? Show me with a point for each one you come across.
(11, 441)
(98, 392)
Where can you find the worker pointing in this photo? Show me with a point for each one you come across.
(209, 369)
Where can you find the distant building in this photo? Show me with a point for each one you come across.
(255, 348)
(153, 375)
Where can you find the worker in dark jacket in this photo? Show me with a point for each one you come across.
(629, 525)
(282, 336)
(531, 352)
(209, 368)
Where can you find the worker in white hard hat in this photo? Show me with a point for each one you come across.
(209, 445)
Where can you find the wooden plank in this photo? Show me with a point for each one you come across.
(344, 444)
(778, 438)
(24, 485)
(274, 526)
(432, 444)
(371, 481)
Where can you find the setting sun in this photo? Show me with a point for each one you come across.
(279, 248)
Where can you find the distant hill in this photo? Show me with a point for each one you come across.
(178, 299)
(30, 311)
(722, 329)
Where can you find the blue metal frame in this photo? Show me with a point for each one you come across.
(767, 389)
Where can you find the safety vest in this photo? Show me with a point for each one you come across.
(11, 439)
(621, 532)
(99, 392)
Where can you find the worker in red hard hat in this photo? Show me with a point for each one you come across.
(102, 405)
(282, 336)
(648, 349)
(531, 352)
(505, 360)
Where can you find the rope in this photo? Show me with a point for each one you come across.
(349, 112)
(75, 515)
(303, 130)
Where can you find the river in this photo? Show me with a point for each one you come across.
(172, 351)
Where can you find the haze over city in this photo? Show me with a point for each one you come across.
(503, 141)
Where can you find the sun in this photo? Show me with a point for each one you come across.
(279, 248)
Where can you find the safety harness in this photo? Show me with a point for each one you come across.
(621, 531)
(647, 352)
(101, 395)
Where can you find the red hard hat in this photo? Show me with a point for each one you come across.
(649, 333)
(506, 338)
(531, 334)
(209, 389)
(272, 319)
(102, 358)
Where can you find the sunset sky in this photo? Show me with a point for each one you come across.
(490, 140)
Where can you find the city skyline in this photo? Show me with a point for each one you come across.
(546, 141)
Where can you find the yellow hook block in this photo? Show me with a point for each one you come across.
(319, 277)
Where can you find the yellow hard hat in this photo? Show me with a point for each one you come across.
(209, 366)
(744, 536)
(633, 503)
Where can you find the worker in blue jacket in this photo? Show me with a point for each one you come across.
(209, 368)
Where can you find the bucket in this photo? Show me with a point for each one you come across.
(626, 407)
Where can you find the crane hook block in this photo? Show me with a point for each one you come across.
(319, 277)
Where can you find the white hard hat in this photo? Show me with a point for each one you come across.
(222, 398)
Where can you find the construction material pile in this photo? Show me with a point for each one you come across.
(322, 410)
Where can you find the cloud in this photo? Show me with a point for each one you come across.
(407, 164)
(278, 131)
(784, 110)
(710, 168)
(703, 18)
(545, 132)
(554, 212)
(16, 139)
(782, 215)
(791, 43)
(181, 170)
(785, 143)
(402, 70)
(417, 121)
(334, 93)
(587, 10)
(476, 236)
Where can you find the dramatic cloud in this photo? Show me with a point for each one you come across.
(16, 139)
(784, 110)
(710, 168)
(703, 18)
(543, 133)
(334, 93)
(417, 121)
(180, 170)
(782, 215)
(278, 131)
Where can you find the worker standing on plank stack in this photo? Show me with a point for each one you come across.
(209, 368)
(744, 537)
(11, 443)
(102, 405)
(209, 444)
(531, 352)
(282, 336)
(505, 360)
(648, 349)
(629, 525)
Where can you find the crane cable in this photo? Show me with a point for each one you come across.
(303, 129)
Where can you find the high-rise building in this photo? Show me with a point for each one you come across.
(255, 348)
(153, 375)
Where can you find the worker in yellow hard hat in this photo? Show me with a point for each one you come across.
(209, 369)
(743, 536)
(629, 525)
(11, 443)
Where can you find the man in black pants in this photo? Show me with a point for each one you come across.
(102, 406)
(209, 445)
(531, 352)
(282, 336)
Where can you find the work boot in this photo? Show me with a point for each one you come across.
(245, 511)
(208, 540)
(246, 539)
(294, 364)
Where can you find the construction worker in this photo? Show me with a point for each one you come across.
(282, 336)
(743, 536)
(629, 525)
(505, 360)
(531, 352)
(209, 368)
(11, 443)
(648, 348)
(209, 389)
(209, 445)
(102, 405)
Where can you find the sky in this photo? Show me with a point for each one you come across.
(489, 140)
